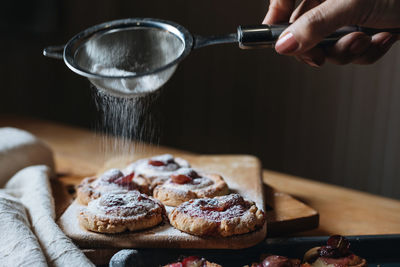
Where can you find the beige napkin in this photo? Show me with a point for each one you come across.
(20, 149)
(18, 245)
(29, 235)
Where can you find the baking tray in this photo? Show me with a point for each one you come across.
(378, 250)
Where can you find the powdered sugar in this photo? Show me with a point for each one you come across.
(110, 176)
(199, 183)
(143, 168)
(187, 172)
(216, 209)
(142, 84)
(126, 205)
(114, 180)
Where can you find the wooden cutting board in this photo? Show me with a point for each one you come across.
(285, 214)
(243, 176)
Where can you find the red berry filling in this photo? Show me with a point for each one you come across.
(156, 163)
(125, 180)
(337, 247)
(181, 179)
(185, 177)
(213, 206)
(186, 262)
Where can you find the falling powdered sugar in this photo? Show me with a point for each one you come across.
(126, 118)
(131, 85)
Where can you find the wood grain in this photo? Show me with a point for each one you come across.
(342, 211)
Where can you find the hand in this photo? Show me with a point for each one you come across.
(312, 20)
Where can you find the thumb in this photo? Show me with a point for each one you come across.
(311, 27)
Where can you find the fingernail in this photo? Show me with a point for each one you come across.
(286, 44)
(311, 63)
(388, 42)
(360, 45)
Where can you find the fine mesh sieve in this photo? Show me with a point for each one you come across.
(136, 56)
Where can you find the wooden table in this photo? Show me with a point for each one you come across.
(342, 211)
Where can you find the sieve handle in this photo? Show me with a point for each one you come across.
(54, 51)
(266, 35)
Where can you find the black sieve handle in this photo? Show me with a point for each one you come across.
(266, 35)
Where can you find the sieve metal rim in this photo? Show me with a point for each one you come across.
(122, 24)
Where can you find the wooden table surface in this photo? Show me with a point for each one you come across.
(342, 211)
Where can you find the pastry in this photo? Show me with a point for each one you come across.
(219, 216)
(186, 184)
(193, 261)
(117, 212)
(112, 180)
(335, 253)
(277, 261)
(156, 169)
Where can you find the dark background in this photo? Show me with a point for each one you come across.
(334, 124)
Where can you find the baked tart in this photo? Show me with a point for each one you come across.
(112, 180)
(335, 253)
(186, 184)
(219, 216)
(117, 212)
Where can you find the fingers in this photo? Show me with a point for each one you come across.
(380, 44)
(314, 57)
(303, 7)
(311, 27)
(313, 20)
(279, 11)
(348, 48)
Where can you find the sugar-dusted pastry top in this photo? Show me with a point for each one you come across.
(115, 179)
(218, 208)
(123, 205)
(187, 179)
(162, 165)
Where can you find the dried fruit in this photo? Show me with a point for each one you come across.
(181, 179)
(188, 261)
(337, 247)
(125, 180)
(339, 242)
(156, 163)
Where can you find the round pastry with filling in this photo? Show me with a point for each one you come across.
(335, 253)
(156, 169)
(186, 184)
(112, 180)
(219, 216)
(117, 212)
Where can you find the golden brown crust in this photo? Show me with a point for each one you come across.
(172, 194)
(122, 217)
(108, 225)
(85, 192)
(249, 219)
